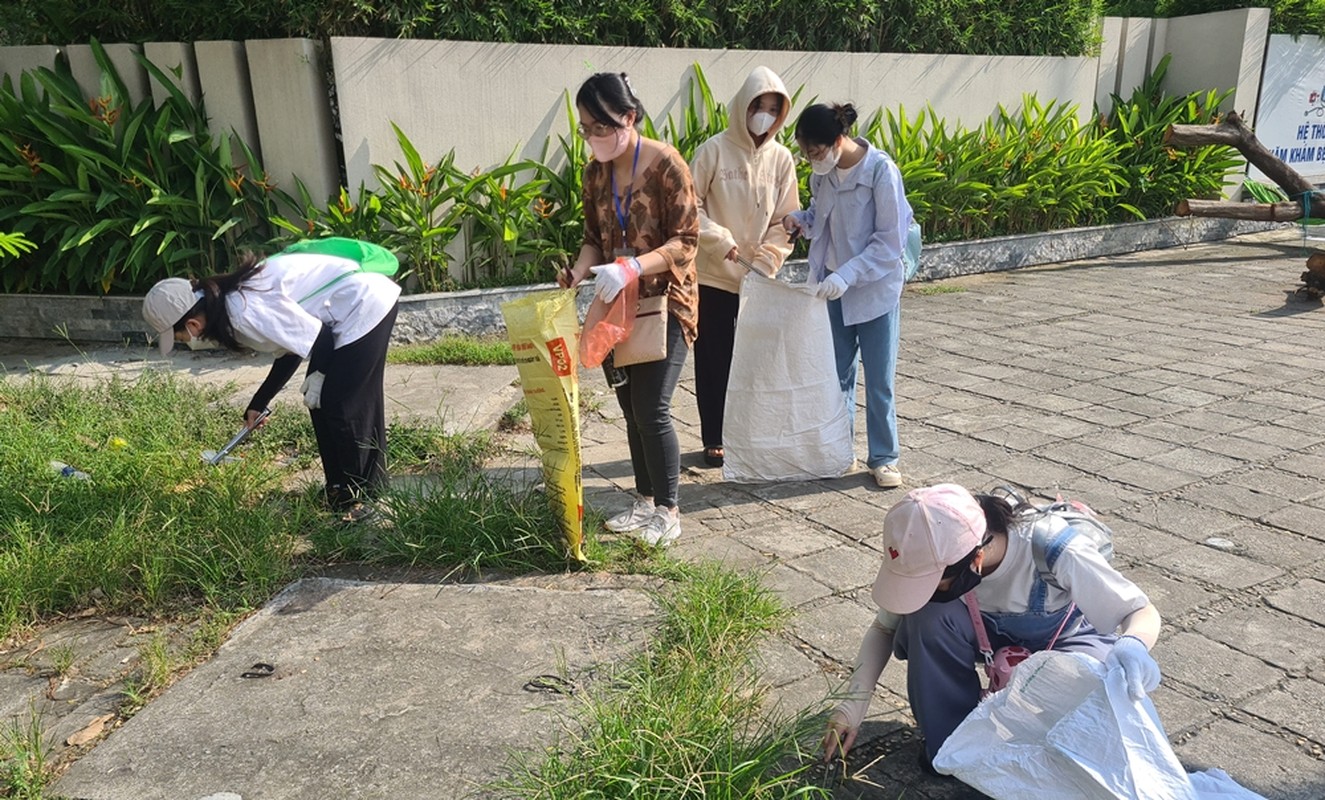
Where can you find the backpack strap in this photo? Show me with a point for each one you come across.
(329, 284)
(1050, 534)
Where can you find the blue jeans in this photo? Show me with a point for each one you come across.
(875, 343)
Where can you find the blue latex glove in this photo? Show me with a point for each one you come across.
(1139, 668)
(832, 288)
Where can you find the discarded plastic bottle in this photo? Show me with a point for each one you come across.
(64, 470)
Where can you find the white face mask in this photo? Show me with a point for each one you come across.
(760, 122)
(826, 165)
(194, 343)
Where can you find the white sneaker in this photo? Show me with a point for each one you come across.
(632, 520)
(664, 528)
(887, 476)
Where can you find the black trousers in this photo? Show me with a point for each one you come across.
(646, 404)
(713, 359)
(351, 424)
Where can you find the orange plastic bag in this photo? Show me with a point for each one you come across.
(608, 324)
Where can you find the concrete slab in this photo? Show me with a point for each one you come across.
(366, 701)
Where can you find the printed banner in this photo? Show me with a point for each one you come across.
(1290, 120)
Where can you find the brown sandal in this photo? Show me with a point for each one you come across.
(713, 456)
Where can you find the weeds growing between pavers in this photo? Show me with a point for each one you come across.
(25, 769)
(686, 718)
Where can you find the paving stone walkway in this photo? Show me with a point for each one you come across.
(1177, 392)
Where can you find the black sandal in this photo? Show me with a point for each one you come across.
(713, 456)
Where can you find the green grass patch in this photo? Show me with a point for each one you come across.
(937, 288)
(155, 531)
(464, 351)
(687, 718)
(154, 527)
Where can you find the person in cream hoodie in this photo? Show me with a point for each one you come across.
(746, 183)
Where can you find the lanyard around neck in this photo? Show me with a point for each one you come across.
(623, 215)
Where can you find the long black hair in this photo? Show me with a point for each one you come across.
(607, 96)
(214, 289)
(821, 125)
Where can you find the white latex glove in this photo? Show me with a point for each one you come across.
(612, 278)
(1139, 668)
(832, 288)
(312, 389)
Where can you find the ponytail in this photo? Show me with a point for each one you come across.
(214, 290)
(822, 125)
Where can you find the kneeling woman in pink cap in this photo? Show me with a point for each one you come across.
(941, 542)
(321, 307)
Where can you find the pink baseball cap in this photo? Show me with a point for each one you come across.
(927, 531)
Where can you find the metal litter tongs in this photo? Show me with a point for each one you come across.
(808, 288)
(215, 457)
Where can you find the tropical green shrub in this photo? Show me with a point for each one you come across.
(1158, 176)
(117, 195)
(1034, 170)
(1025, 27)
(414, 213)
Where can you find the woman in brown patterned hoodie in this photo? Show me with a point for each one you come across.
(641, 222)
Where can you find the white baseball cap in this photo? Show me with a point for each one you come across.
(927, 531)
(166, 303)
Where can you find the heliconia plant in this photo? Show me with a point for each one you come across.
(115, 196)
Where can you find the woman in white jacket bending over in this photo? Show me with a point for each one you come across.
(746, 183)
(301, 305)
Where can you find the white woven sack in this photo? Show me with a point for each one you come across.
(785, 418)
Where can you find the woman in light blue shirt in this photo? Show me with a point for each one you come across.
(857, 224)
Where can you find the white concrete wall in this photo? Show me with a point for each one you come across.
(1223, 50)
(224, 82)
(489, 101)
(1134, 57)
(87, 73)
(293, 111)
(1106, 68)
(14, 60)
(177, 61)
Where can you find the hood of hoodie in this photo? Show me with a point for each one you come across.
(761, 81)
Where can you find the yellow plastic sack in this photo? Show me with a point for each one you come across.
(544, 331)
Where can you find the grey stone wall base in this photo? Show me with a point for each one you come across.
(426, 317)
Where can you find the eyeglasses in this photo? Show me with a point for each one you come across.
(596, 129)
(815, 153)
